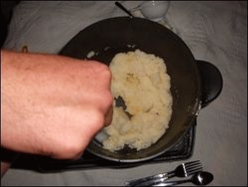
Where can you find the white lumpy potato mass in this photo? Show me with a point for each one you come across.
(142, 81)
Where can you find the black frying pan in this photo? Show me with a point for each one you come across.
(121, 34)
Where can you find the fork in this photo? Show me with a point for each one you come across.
(183, 170)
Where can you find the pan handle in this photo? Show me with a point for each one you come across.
(211, 81)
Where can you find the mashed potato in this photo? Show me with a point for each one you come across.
(141, 80)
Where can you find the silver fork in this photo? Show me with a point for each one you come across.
(183, 170)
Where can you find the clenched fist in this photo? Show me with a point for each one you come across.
(52, 105)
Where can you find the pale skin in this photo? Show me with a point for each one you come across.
(52, 105)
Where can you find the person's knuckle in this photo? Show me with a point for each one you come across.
(109, 99)
(105, 101)
(103, 71)
(96, 119)
(107, 73)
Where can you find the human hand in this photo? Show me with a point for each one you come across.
(52, 105)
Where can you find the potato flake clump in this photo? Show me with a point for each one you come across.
(142, 81)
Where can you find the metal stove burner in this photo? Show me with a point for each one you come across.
(182, 150)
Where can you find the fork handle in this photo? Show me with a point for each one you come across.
(147, 181)
(171, 183)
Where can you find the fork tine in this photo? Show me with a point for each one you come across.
(190, 169)
(190, 172)
(193, 166)
(192, 163)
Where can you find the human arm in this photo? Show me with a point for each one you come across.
(52, 105)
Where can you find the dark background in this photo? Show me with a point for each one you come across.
(6, 14)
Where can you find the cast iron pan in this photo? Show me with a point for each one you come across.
(108, 37)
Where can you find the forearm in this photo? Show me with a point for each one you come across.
(52, 105)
